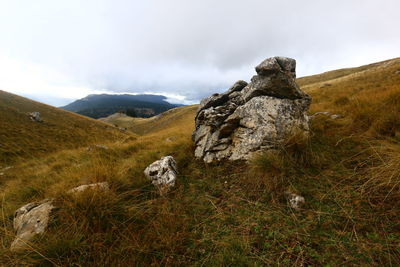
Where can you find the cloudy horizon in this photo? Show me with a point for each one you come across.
(59, 51)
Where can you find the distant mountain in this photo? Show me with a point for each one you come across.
(103, 105)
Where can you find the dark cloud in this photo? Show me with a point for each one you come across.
(188, 48)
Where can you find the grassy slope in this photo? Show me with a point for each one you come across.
(368, 96)
(230, 214)
(165, 120)
(335, 74)
(21, 138)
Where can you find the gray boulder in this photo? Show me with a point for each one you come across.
(295, 201)
(162, 173)
(252, 117)
(35, 116)
(29, 221)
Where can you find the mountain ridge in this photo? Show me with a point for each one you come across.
(102, 105)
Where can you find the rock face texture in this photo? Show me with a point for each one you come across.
(29, 221)
(162, 173)
(252, 116)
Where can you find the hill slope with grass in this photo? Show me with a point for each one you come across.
(368, 96)
(22, 138)
(97, 106)
(173, 118)
(229, 213)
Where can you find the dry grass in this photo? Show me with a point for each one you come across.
(229, 214)
(183, 117)
(22, 138)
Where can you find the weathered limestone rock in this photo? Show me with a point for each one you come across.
(294, 201)
(35, 116)
(251, 117)
(162, 173)
(104, 186)
(29, 221)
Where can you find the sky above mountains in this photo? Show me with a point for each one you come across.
(58, 51)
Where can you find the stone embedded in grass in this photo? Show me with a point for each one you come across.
(7, 168)
(35, 116)
(327, 114)
(251, 117)
(295, 201)
(104, 186)
(162, 173)
(97, 147)
(30, 220)
(3, 170)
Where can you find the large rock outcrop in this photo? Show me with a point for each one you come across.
(252, 116)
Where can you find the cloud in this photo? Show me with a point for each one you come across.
(188, 49)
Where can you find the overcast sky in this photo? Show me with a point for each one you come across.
(56, 51)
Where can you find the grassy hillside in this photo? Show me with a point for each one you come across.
(22, 138)
(177, 117)
(368, 96)
(335, 74)
(230, 214)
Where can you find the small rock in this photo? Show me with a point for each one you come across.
(29, 221)
(35, 116)
(327, 114)
(162, 173)
(104, 186)
(336, 116)
(97, 147)
(295, 201)
(4, 170)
